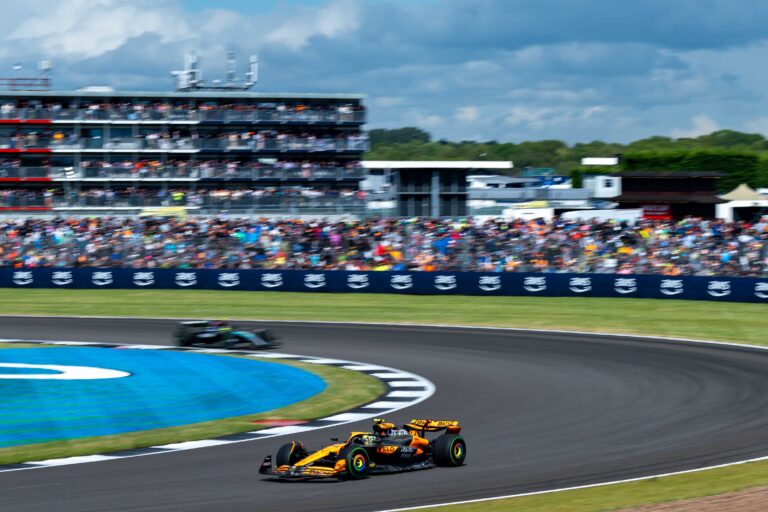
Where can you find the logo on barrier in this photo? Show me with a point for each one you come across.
(580, 284)
(62, 277)
(719, 288)
(761, 290)
(357, 281)
(535, 284)
(22, 277)
(229, 279)
(143, 278)
(186, 279)
(272, 280)
(314, 280)
(489, 283)
(445, 282)
(625, 285)
(671, 286)
(401, 282)
(102, 278)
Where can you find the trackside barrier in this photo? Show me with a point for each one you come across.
(734, 289)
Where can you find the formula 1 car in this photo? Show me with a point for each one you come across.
(388, 449)
(222, 334)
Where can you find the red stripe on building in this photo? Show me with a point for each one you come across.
(26, 121)
(30, 150)
(25, 208)
(24, 179)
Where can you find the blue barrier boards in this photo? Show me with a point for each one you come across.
(718, 288)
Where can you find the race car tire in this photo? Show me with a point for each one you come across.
(289, 454)
(449, 450)
(267, 335)
(358, 462)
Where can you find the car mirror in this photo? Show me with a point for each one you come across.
(335, 439)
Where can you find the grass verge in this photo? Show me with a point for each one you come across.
(633, 494)
(729, 321)
(345, 389)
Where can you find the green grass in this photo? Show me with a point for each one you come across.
(737, 322)
(345, 389)
(634, 494)
(740, 322)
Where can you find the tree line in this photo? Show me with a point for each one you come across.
(740, 157)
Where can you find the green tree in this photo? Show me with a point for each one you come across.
(398, 136)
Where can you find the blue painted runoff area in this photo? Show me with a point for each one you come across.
(164, 389)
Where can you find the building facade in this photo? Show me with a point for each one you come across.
(207, 151)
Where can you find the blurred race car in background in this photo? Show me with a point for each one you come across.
(222, 334)
(388, 449)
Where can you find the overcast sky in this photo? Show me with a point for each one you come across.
(506, 70)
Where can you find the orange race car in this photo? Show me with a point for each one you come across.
(388, 449)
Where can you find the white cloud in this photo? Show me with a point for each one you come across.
(88, 28)
(701, 124)
(759, 125)
(338, 17)
(421, 119)
(560, 116)
(467, 114)
(387, 101)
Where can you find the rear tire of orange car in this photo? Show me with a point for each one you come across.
(358, 462)
(449, 450)
(289, 454)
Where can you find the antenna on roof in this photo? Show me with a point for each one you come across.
(42, 82)
(190, 78)
(252, 76)
(231, 67)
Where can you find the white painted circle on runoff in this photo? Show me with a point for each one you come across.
(65, 372)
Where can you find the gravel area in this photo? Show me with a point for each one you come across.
(751, 500)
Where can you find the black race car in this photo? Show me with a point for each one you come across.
(221, 334)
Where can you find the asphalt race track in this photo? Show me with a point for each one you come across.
(539, 411)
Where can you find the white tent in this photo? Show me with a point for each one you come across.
(742, 196)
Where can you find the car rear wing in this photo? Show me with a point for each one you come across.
(450, 426)
(195, 323)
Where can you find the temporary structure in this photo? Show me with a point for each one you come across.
(743, 204)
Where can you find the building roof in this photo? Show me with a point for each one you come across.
(211, 95)
(430, 164)
(498, 178)
(600, 161)
(743, 193)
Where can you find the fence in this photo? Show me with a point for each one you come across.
(738, 289)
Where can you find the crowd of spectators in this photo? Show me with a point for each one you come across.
(174, 140)
(183, 168)
(690, 247)
(183, 111)
(213, 198)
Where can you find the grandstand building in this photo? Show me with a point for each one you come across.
(98, 150)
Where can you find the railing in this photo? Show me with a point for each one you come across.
(224, 143)
(22, 200)
(29, 141)
(528, 194)
(99, 113)
(24, 172)
(139, 172)
(213, 203)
